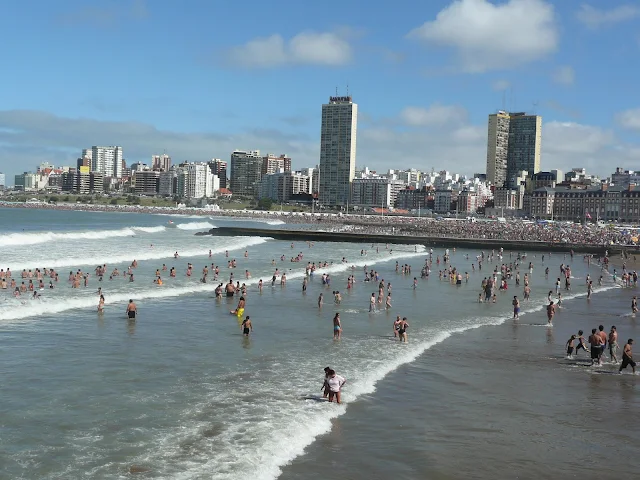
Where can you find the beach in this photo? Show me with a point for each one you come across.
(181, 393)
(560, 235)
(495, 402)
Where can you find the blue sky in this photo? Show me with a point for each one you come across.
(203, 78)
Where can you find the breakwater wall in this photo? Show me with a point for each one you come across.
(427, 241)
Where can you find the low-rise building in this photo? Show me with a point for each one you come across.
(283, 185)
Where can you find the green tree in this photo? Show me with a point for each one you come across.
(114, 201)
(265, 204)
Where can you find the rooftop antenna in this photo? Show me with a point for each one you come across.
(336, 90)
(511, 99)
(347, 89)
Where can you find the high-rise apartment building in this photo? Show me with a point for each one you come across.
(167, 183)
(195, 180)
(272, 164)
(219, 168)
(337, 150)
(161, 163)
(107, 160)
(497, 148)
(145, 182)
(513, 145)
(525, 140)
(246, 172)
(3, 183)
(312, 173)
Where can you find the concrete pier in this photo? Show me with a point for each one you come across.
(427, 241)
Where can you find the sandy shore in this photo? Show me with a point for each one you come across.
(563, 235)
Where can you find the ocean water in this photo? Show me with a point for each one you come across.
(181, 393)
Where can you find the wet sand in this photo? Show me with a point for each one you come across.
(495, 402)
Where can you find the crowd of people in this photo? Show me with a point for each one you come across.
(500, 271)
(511, 230)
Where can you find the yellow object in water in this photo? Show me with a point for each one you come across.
(240, 312)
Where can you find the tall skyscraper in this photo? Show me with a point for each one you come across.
(246, 172)
(525, 140)
(107, 160)
(337, 150)
(514, 143)
(497, 148)
(161, 162)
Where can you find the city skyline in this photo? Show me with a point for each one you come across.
(423, 93)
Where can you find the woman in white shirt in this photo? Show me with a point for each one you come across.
(335, 383)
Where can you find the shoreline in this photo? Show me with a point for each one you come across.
(506, 355)
(428, 241)
(398, 229)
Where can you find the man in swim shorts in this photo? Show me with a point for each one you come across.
(230, 289)
(570, 346)
(627, 357)
(132, 310)
(247, 327)
(516, 307)
(613, 344)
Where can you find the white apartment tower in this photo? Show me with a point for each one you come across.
(337, 150)
(107, 160)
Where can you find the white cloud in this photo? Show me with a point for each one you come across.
(564, 75)
(501, 85)
(566, 138)
(595, 18)
(310, 48)
(488, 36)
(435, 115)
(629, 119)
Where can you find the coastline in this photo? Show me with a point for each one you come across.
(428, 241)
(492, 402)
(406, 228)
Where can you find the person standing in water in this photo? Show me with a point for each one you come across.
(516, 307)
(335, 383)
(132, 310)
(627, 357)
(337, 328)
(402, 332)
(551, 311)
(246, 326)
(396, 326)
(613, 344)
(325, 383)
